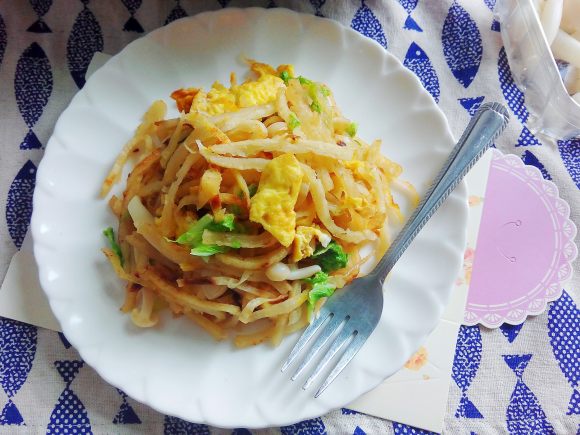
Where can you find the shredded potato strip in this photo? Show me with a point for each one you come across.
(253, 147)
(192, 302)
(285, 307)
(166, 222)
(255, 303)
(263, 240)
(236, 285)
(136, 177)
(155, 113)
(253, 263)
(257, 164)
(173, 142)
(226, 121)
(321, 204)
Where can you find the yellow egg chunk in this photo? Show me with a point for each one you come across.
(273, 204)
(221, 99)
(303, 246)
(262, 91)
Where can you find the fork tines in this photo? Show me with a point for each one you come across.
(329, 323)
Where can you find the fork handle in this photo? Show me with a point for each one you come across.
(485, 126)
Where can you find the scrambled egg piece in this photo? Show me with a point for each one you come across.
(220, 99)
(273, 204)
(303, 246)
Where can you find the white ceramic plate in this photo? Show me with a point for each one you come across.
(177, 368)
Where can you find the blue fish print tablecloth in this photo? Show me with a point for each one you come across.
(515, 379)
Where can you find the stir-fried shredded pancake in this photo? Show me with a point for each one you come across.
(249, 209)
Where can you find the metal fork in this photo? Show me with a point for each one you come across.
(356, 309)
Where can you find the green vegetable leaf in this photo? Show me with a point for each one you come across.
(304, 81)
(294, 121)
(252, 188)
(236, 244)
(352, 129)
(207, 250)
(318, 292)
(319, 278)
(330, 258)
(193, 235)
(324, 91)
(109, 233)
(321, 288)
(315, 106)
(227, 224)
(284, 75)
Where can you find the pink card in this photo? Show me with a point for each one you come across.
(525, 245)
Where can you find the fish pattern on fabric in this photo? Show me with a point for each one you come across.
(530, 159)
(524, 415)
(417, 61)
(19, 203)
(32, 87)
(494, 24)
(515, 100)
(176, 13)
(366, 23)
(41, 7)
(462, 45)
(471, 104)
(563, 327)
(85, 40)
(403, 429)
(317, 5)
(18, 343)
(177, 426)
(570, 154)
(126, 414)
(132, 25)
(314, 426)
(514, 97)
(410, 23)
(527, 138)
(466, 362)
(346, 411)
(511, 332)
(69, 415)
